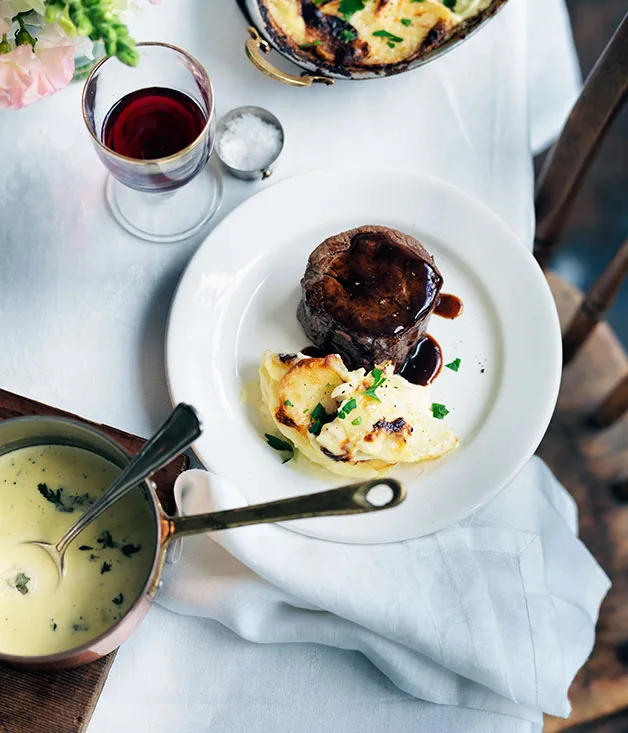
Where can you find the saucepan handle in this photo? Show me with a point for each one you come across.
(257, 49)
(359, 498)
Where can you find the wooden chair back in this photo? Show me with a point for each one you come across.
(586, 445)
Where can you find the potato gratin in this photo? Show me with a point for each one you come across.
(359, 34)
(352, 423)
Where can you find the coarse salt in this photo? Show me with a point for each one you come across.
(249, 143)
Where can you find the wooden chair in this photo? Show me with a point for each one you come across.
(587, 442)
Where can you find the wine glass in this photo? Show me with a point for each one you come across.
(153, 127)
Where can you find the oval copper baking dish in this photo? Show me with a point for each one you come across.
(264, 36)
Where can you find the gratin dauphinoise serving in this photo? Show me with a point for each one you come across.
(351, 422)
(355, 34)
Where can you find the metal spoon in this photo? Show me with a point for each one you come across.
(178, 432)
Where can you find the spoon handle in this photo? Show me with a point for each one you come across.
(353, 499)
(178, 432)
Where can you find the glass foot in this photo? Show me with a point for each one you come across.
(167, 217)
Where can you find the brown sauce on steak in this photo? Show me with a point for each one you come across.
(448, 306)
(424, 363)
(378, 289)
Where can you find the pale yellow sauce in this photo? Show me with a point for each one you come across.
(38, 614)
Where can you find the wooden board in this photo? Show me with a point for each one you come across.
(593, 465)
(63, 702)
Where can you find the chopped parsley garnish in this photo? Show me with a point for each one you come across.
(439, 411)
(348, 7)
(417, 1)
(406, 22)
(287, 403)
(106, 540)
(390, 44)
(53, 625)
(391, 36)
(20, 583)
(454, 365)
(378, 380)
(280, 445)
(348, 407)
(319, 418)
(64, 504)
(357, 421)
(85, 547)
(451, 4)
(106, 567)
(130, 549)
(80, 627)
(313, 44)
(320, 2)
(118, 600)
(348, 35)
(54, 497)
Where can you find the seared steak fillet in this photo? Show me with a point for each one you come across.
(368, 294)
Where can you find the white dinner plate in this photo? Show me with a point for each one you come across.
(239, 296)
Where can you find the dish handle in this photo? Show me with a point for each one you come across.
(359, 498)
(256, 50)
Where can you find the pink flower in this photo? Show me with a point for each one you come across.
(26, 75)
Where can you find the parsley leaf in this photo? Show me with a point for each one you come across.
(118, 600)
(280, 445)
(106, 567)
(406, 22)
(54, 497)
(129, 549)
(348, 7)
(348, 407)
(106, 540)
(319, 418)
(378, 380)
(454, 365)
(287, 403)
(347, 35)
(85, 547)
(357, 421)
(439, 411)
(20, 583)
(313, 44)
(391, 36)
(451, 4)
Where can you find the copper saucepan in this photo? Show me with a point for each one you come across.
(27, 431)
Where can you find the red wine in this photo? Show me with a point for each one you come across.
(152, 123)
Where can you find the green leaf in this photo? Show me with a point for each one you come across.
(287, 403)
(357, 421)
(346, 36)
(106, 567)
(348, 7)
(439, 411)
(391, 36)
(319, 418)
(20, 583)
(130, 549)
(280, 445)
(406, 21)
(378, 380)
(451, 4)
(118, 600)
(314, 44)
(348, 407)
(454, 365)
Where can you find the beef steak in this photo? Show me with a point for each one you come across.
(368, 294)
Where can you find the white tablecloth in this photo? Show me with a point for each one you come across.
(83, 309)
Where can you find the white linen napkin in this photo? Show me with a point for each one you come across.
(496, 612)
